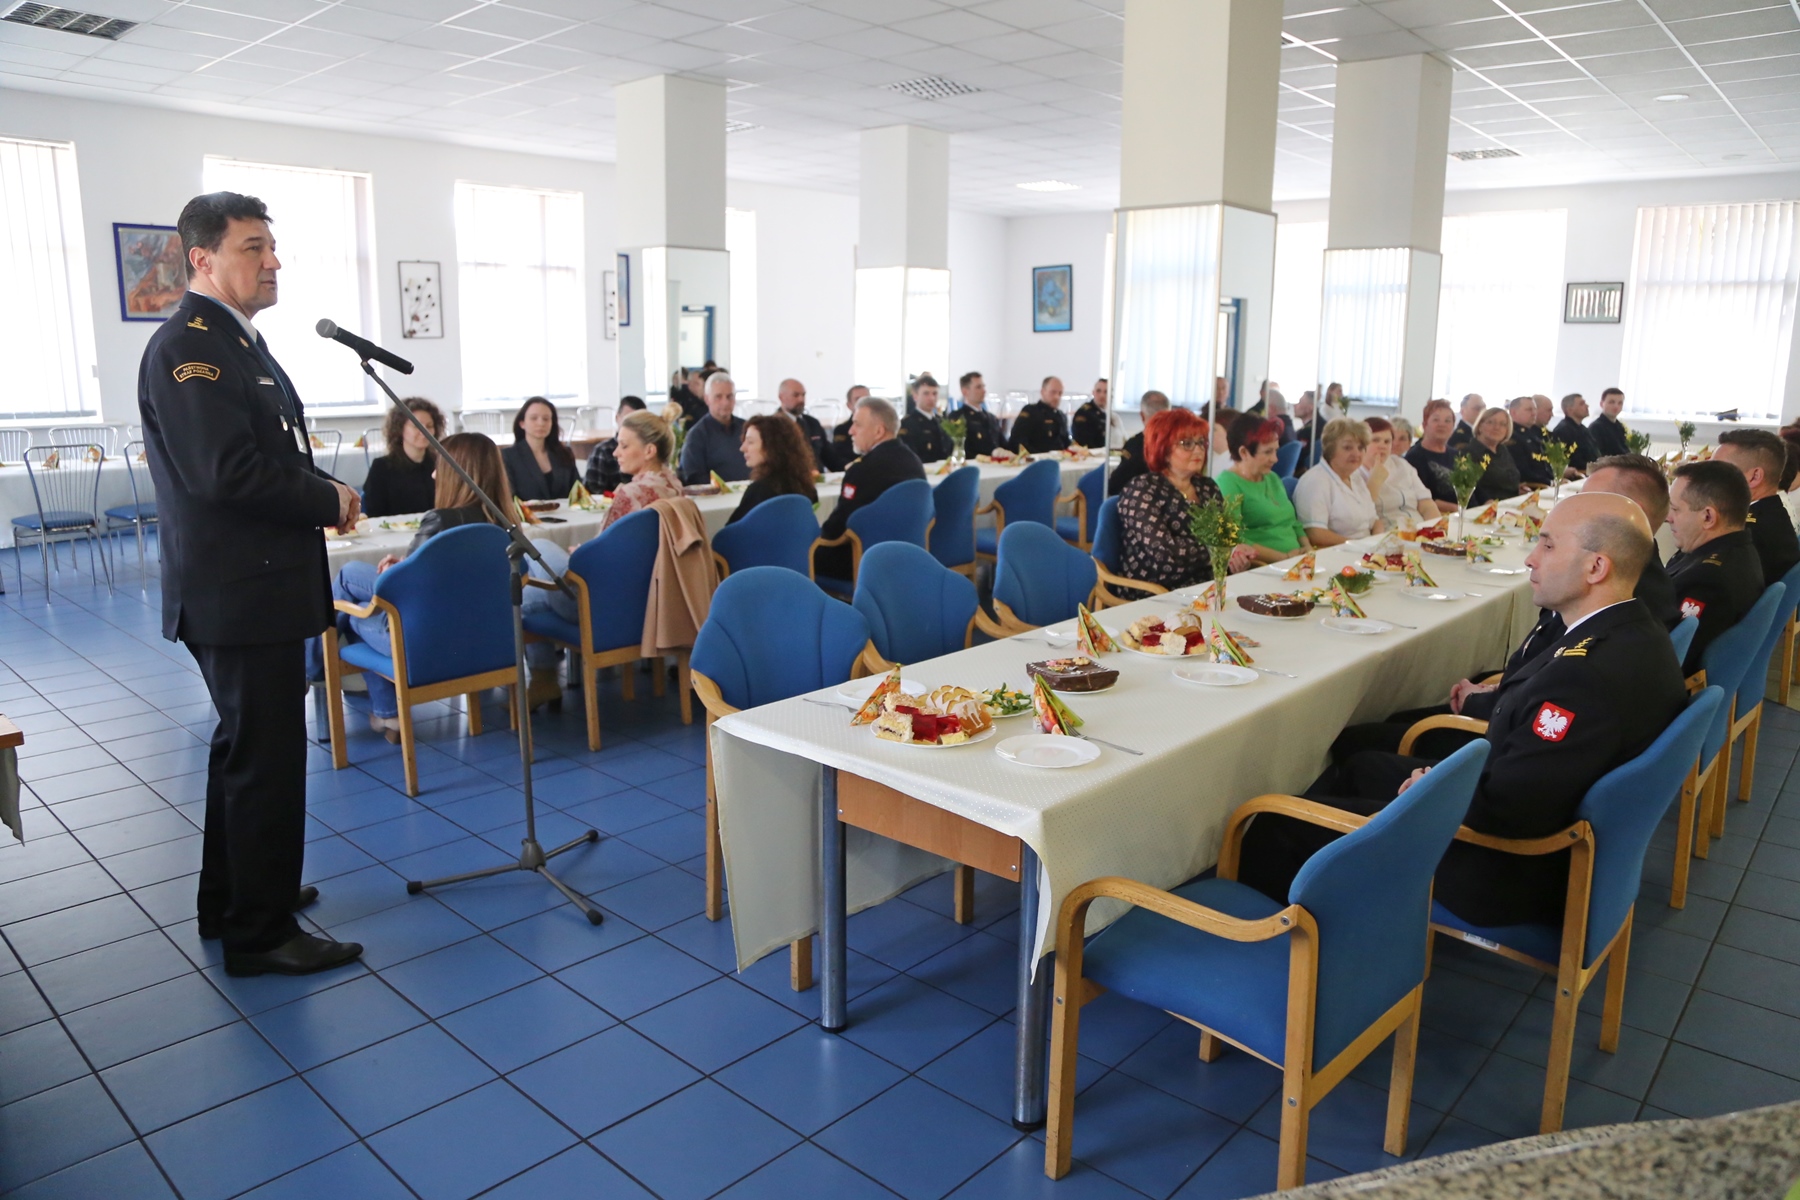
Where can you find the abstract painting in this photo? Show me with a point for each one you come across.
(1051, 310)
(152, 278)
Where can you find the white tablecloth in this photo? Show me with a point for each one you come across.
(115, 489)
(1158, 818)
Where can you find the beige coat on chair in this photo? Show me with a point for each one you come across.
(681, 588)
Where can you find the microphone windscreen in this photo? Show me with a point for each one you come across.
(326, 327)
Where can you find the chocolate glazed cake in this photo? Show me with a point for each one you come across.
(1074, 674)
(1274, 604)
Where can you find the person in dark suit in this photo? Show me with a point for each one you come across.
(1585, 704)
(1040, 426)
(603, 473)
(981, 428)
(1472, 408)
(843, 451)
(1642, 482)
(1526, 446)
(399, 480)
(883, 460)
(1088, 426)
(1571, 432)
(244, 581)
(1609, 432)
(1762, 457)
(1131, 454)
(539, 463)
(791, 395)
(1309, 429)
(691, 395)
(919, 428)
(1717, 575)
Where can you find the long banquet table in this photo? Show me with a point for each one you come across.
(786, 772)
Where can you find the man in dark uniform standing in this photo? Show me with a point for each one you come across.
(981, 428)
(1131, 454)
(1040, 426)
(1717, 575)
(1762, 456)
(842, 452)
(791, 395)
(1608, 430)
(1589, 702)
(919, 428)
(884, 461)
(1088, 426)
(244, 576)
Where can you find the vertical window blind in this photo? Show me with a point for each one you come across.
(46, 312)
(1168, 302)
(524, 308)
(324, 229)
(1500, 304)
(1362, 322)
(1294, 334)
(1709, 309)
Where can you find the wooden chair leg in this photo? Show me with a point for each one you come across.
(409, 750)
(1702, 845)
(715, 866)
(1400, 1079)
(592, 700)
(800, 963)
(1210, 1047)
(1562, 1049)
(1747, 772)
(659, 675)
(1290, 1162)
(687, 688)
(963, 888)
(1065, 1033)
(1721, 784)
(627, 680)
(1614, 1012)
(512, 707)
(1430, 945)
(1790, 647)
(474, 700)
(1684, 839)
(334, 701)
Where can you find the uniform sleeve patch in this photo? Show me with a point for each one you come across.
(1692, 608)
(187, 371)
(1552, 723)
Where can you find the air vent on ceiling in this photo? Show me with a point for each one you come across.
(740, 127)
(1477, 155)
(46, 16)
(932, 88)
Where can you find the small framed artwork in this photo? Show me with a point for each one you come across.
(609, 295)
(421, 300)
(1593, 303)
(624, 290)
(152, 278)
(1051, 307)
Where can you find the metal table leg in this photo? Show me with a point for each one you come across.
(1033, 1003)
(832, 899)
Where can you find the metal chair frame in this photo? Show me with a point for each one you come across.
(71, 458)
(136, 522)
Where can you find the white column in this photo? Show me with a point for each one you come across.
(1195, 225)
(671, 194)
(903, 258)
(1390, 144)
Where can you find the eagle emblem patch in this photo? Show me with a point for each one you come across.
(187, 371)
(1692, 608)
(849, 491)
(1552, 723)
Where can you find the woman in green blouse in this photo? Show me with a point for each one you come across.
(1270, 523)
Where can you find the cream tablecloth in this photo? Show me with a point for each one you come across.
(1158, 818)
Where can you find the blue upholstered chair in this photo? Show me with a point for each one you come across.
(1606, 847)
(738, 665)
(611, 578)
(1078, 528)
(1682, 636)
(1039, 579)
(903, 513)
(1106, 561)
(1287, 457)
(1212, 952)
(1747, 705)
(1290, 482)
(1028, 496)
(916, 607)
(776, 533)
(952, 540)
(449, 610)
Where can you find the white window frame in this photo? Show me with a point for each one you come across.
(46, 309)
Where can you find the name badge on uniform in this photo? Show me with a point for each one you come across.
(265, 381)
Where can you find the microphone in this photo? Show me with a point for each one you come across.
(327, 328)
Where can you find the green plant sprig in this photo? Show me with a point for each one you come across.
(1218, 524)
(955, 428)
(1636, 442)
(1466, 472)
(1558, 453)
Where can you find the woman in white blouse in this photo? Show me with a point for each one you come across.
(1401, 497)
(1333, 499)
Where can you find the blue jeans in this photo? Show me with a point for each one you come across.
(543, 654)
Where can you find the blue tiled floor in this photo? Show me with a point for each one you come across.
(495, 1044)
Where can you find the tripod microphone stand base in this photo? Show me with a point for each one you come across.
(532, 857)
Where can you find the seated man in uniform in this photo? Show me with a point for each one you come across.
(1595, 699)
(1472, 408)
(883, 461)
(1572, 433)
(1527, 444)
(1717, 575)
(981, 428)
(791, 395)
(1088, 426)
(919, 429)
(841, 452)
(1131, 454)
(1040, 426)
(1608, 430)
(1762, 457)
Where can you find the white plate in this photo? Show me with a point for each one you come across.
(859, 690)
(1060, 635)
(337, 543)
(983, 736)
(1366, 626)
(1440, 595)
(1497, 569)
(1210, 674)
(1195, 653)
(1047, 750)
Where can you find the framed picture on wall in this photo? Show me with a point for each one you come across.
(1593, 303)
(152, 278)
(1052, 310)
(421, 300)
(624, 290)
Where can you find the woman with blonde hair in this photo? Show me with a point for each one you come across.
(645, 447)
(1493, 429)
(1333, 499)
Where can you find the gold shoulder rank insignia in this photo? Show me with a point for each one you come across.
(1713, 560)
(187, 371)
(197, 323)
(243, 343)
(1749, 518)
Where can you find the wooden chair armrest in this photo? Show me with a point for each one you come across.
(344, 606)
(842, 539)
(711, 698)
(1445, 721)
(1167, 904)
(10, 734)
(1310, 811)
(1696, 683)
(534, 581)
(1069, 497)
(723, 566)
(1003, 624)
(1137, 585)
(871, 662)
(1562, 839)
(1496, 677)
(990, 506)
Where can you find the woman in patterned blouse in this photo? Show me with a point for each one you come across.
(1155, 541)
(645, 445)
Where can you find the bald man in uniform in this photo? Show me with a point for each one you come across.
(1592, 701)
(791, 395)
(1041, 426)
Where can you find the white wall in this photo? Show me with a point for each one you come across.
(1080, 241)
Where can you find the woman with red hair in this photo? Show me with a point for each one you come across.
(1156, 543)
(1271, 527)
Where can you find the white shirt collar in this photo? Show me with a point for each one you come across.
(1583, 620)
(249, 329)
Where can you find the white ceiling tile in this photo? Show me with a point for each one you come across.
(510, 22)
(655, 20)
(1769, 45)
(453, 40)
(1775, 18)
(601, 40)
(875, 42)
(1378, 45)
(1018, 46)
(1587, 18)
(241, 26)
(1761, 68)
(366, 22)
(1324, 23)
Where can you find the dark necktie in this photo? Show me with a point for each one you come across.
(289, 403)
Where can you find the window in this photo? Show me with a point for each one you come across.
(324, 230)
(1709, 309)
(524, 311)
(1294, 334)
(1500, 304)
(1168, 301)
(1362, 321)
(740, 244)
(46, 314)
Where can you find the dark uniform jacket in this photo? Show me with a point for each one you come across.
(881, 468)
(1463, 434)
(692, 407)
(241, 504)
(1586, 704)
(1039, 429)
(1527, 450)
(1088, 426)
(1772, 532)
(1718, 583)
(842, 450)
(924, 435)
(1131, 465)
(816, 437)
(528, 479)
(981, 430)
(1574, 433)
(1609, 436)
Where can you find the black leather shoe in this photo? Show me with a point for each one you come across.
(306, 897)
(302, 954)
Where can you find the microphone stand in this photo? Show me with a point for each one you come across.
(532, 856)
